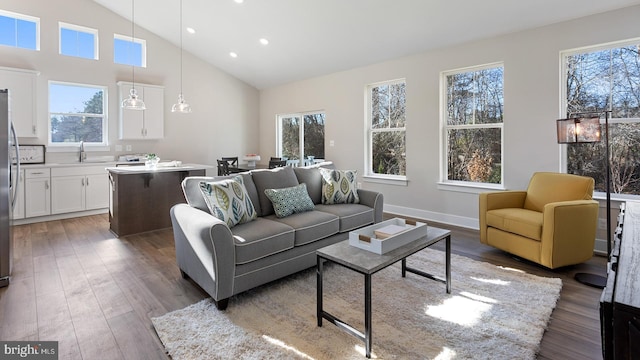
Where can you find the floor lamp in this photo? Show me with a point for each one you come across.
(585, 128)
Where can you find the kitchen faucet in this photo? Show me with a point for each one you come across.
(83, 155)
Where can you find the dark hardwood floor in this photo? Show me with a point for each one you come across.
(75, 282)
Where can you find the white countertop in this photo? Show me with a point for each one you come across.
(142, 169)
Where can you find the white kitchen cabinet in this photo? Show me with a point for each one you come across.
(22, 85)
(79, 188)
(37, 195)
(18, 210)
(146, 124)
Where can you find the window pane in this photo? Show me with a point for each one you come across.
(290, 128)
(27, 34)
(77, 43)
(625, 82)
(475, 97)
(624, 145)
(388, 153)
(75, 99)
(474, 155)
(314, 136)
(127, 52)
(380, 107)
(65, 128)
(7, 31)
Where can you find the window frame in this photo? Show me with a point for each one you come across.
(369, 174)
(301, 115)
(460, 185)
(28, 18)
(80, 29)
(104, 116)
(564, 54)
(127, 38)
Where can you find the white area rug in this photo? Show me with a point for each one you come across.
(491, 313)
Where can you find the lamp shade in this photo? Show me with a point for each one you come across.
(133, 102)
(578, 130)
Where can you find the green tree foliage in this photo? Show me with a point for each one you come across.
(388, 121)
(607, 80)
(83, 126)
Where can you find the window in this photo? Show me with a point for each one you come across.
(301, 136)
(77, 113)
(129, 51)
(472, 125)
(386, 155)
(78, 41)
(606, 78)
(19, 30)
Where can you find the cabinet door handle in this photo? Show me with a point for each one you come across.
(87, 181)
(46, 184)
(82, 182)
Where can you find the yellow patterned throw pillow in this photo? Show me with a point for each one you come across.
(290, 200)
(228, 200)
(339, 186)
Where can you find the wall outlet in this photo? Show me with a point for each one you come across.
(332, 143)
(118, 147)
(128, 147)
(602, 223)
(359, 185)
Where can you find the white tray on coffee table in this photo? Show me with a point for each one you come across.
(365, 238)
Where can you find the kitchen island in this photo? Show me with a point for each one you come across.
(140, 198)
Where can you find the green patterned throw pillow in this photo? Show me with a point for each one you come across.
(290, 200)
(339, 186)
(229, 201)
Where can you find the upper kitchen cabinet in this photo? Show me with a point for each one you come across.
(22, 85)
(142, 125)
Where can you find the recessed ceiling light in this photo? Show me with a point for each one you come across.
(239, 1)
(233, 55)
(264, 41)
(191, 30)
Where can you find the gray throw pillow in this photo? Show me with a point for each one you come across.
(291, 200)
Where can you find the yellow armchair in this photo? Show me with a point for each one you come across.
(553, 223)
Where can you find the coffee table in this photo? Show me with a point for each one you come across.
(368, 263)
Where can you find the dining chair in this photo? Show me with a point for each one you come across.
(277, 163)
(231, 160)
(223, 168)
(275, 158)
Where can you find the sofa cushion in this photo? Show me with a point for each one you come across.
(310, 226)
(228, 200)
(261, 238)
(291, 200)
(527, 223)
(251, 190)
(339, 186)
(352, 216)
(272, 179)
(313, 179)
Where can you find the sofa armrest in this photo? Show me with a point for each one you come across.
(569, 232)
(205, 250)
(497, 200)
(372, 199)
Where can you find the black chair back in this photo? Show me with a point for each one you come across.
(277, 163)
(232, 160)
(223, 168)
(273, 158)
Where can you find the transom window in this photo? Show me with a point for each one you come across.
(606, 78)
(386, 140)
(129, 51)
(472, 124)
(77, 112)
(18, 30)
(301, 138)
(78, 41)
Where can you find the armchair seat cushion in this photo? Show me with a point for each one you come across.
(261, 238)
(523, 222)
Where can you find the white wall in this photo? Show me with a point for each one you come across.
(532, 104)
(225, 109)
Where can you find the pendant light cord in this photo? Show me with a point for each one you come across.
(133, 67)
(181, 47)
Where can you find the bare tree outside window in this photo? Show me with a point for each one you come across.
(302, 135)
(473, 127)
(601, 80)
(387, 130)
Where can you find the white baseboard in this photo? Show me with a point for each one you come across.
(455, 220)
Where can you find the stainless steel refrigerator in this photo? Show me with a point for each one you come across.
(9, 173)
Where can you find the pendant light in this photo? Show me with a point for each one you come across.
(181, 106)
(133, 102)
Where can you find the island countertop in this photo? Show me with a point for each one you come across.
(142, 169)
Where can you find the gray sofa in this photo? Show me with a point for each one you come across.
(226, 261)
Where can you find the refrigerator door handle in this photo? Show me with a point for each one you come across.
(17, 176)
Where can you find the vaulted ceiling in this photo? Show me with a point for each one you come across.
(309, 38)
